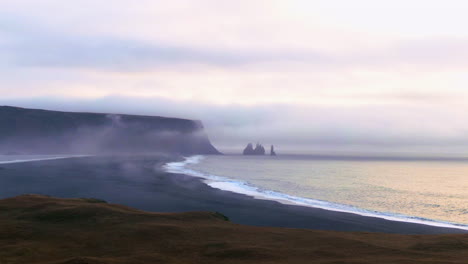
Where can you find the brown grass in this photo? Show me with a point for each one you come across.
(46, 230)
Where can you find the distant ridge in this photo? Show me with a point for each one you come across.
(36, 131)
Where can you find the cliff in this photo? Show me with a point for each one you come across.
(33, 131)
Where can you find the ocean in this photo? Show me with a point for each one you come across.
(421, 190)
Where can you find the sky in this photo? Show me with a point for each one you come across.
(305, 75)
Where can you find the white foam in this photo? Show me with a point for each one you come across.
(241, 187)
(40, 159)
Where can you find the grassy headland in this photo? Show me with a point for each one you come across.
(42, 229)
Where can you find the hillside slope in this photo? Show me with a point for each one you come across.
(46, 230)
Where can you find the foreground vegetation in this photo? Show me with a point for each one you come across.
(46, 230)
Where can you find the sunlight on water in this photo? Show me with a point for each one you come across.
(429, 189)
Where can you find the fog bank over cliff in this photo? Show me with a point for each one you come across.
(407, 126)
(32, 131)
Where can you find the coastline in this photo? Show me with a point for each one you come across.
(55, 157)
(241, 187)
(142, 183)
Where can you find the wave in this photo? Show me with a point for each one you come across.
(40, 159)
(238, 186)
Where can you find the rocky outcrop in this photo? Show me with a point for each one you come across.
(272, 151)
(249, 150)
(32, 131)
(258, 150)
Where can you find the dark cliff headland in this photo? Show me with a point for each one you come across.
(33, 131)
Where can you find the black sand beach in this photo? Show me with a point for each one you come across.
(140, 182)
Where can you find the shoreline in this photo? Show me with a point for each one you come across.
(238, 186)
(142, 183)
(55, 157)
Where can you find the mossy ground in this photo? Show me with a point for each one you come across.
(47, 230)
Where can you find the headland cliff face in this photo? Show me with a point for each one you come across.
(33, 131)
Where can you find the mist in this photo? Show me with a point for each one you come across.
(404, 127)
(25, 131)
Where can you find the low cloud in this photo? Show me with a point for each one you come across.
(25, 44)
(315, 75)
(33, 46)
(403, 127)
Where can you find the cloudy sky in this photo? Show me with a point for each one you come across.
(309, 75)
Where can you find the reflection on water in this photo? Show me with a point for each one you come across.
(434, 189)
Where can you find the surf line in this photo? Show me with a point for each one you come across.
(41, 159)
(237, 186)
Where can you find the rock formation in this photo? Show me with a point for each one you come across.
(259, 149)
(272, 151)
(249, 150)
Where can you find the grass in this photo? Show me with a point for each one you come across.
(38, 229)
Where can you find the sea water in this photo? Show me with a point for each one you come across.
(430, 191)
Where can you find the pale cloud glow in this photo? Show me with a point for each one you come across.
(298, 55)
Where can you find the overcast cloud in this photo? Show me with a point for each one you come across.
(303, 75)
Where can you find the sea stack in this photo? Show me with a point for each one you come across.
(259, 149)
(249, 149)
(272, 151)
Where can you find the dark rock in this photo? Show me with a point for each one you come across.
(272, 151)
(259, 149)
(249, 150)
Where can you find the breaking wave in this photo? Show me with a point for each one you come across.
(238, 186)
